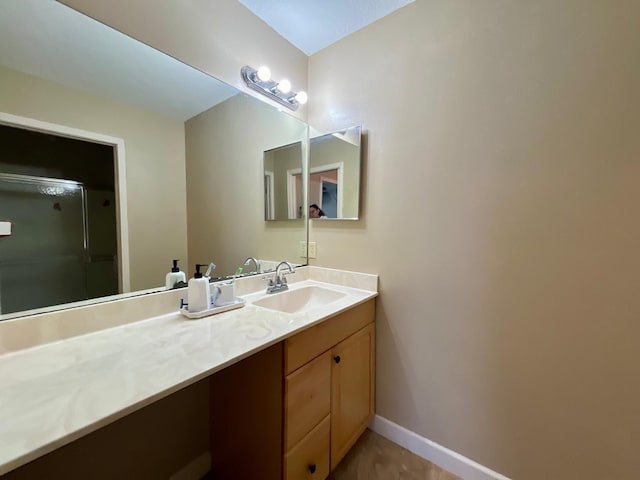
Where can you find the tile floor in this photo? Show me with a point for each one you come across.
(373, 457)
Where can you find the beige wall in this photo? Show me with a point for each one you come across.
(155, 164)
(217, 37)
(225, 185)
(500, 210)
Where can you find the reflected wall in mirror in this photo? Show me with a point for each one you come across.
(334, 175)
(283, 185)
(71, 77)
(225, 146)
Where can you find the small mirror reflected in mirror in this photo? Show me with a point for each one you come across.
(334, 175)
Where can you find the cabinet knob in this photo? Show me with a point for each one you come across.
(337, 359)
(312, 468)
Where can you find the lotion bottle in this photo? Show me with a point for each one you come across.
(175, 276)
(199, 293)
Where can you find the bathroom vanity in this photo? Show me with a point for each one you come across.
(291, 382)
(294, 410)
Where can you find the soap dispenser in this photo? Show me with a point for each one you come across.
(199, 295)
(175, 276)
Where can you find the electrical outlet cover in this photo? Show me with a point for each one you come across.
(5, 228)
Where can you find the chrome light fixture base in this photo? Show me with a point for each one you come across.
(269, 88)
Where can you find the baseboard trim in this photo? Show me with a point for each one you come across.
(195, 469)
(433, 452)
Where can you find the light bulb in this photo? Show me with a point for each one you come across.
(284, 86)
(302, 98)
(264, 73)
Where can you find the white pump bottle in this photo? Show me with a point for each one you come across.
(199, 293)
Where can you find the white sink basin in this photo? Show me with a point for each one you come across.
(294, 301)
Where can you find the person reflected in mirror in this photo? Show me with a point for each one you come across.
(316, 212)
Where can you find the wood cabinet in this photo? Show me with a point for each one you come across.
(246, 418)
(352, 391)
(309, 458)
(307, 399)
(330, 371)
(294, 410)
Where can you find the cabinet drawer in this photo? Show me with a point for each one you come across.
(307, 399)
(309, 459)
(306, 345)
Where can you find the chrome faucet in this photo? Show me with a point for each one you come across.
(255, 262)
(279, 282)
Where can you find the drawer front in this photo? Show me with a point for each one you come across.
(307, 399)
(307, 345)
(309, 459)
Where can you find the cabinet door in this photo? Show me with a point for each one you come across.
(352, 390)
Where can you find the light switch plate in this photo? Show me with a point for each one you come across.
(312, 249)
(5, 228)
(303, 249)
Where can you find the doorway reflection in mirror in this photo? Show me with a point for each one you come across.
(283, 186)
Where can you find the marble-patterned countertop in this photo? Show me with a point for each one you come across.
(54, 393)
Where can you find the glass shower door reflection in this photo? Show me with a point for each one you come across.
(43, 262)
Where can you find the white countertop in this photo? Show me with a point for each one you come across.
(54, 393)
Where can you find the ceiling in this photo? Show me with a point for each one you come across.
(312, 25)
(49, 40)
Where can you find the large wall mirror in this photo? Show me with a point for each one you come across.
(118, 159)
(334, 175)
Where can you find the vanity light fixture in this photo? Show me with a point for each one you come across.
(260, 81)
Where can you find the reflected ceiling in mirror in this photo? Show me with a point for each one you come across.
(61, 68)
(51, 41)
(334, 175)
